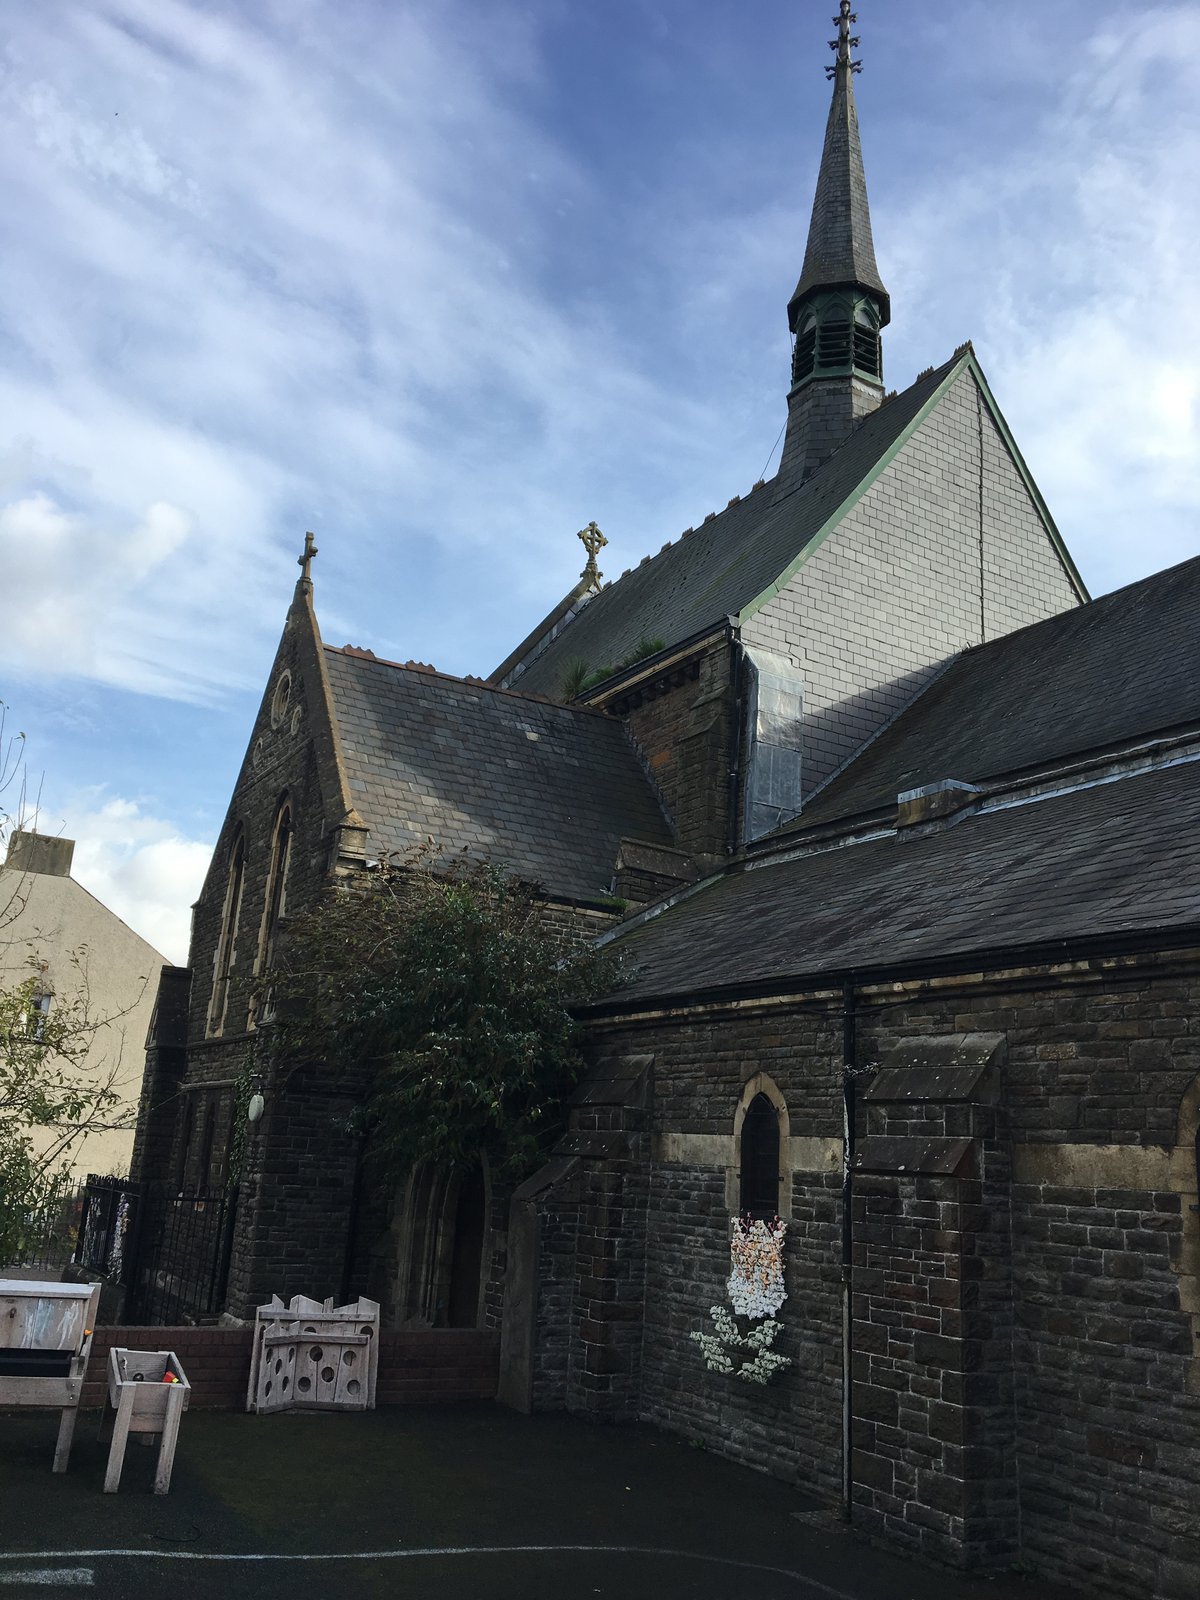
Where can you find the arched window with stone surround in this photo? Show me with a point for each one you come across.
(759, 1160)
(226, 951)
(759, 1180)
(275, 902)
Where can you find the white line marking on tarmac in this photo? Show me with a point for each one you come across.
(60, 1577)
(433, 1551)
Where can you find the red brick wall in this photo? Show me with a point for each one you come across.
(415, 1367)
(440, 1364)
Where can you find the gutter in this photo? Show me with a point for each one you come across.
(651, 666)
(1086, 770)
(738, 738)
(1052, 952)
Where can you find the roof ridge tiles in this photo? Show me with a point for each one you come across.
(357, 653)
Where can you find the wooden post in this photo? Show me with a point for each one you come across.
(168, 1437)
(66, 1432)
(116, 1452)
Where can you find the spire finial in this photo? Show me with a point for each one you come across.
(305, 561)
(593, 542)
(845, 42)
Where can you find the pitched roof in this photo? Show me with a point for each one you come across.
(1096, 677)
(545, 790)
(841, 250)
(1115, 858)
(726, 563)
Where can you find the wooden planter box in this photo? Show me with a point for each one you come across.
(45, 1341)
(145, 1403)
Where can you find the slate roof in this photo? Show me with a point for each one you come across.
(728, 561)
(841, 250)
(1121, 668)
(1112, 859)
(545, 790)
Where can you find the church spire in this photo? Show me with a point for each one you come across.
(841, 251)
(840, 303)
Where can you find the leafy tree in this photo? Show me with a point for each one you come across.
(446, 986)
(50, 1075)
(46, 1081)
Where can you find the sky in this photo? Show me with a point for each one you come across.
(445, 281)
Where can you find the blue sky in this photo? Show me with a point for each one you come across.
(443, 282)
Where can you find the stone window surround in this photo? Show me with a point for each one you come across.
(283, 828)
(422, 1233)
(761, 1083)
(281, 698)
(226, 950)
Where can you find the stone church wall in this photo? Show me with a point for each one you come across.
(923, 566)
(308, 1219)
(682, 723)
(1027, 1372)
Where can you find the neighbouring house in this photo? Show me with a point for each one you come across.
(53, 930)
(897, 829)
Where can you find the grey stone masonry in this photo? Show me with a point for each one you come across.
(166, 1063)
(682, 723)
(308, 1217)
(932, 1331)
(821, 414)
(1026, 1278)
(946, 548)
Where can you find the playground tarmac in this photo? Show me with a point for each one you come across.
(465, 1502)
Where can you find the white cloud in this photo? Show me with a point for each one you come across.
(136, 864)
(1087, 233)
(65, 582)
(275, 275)
(392, 272)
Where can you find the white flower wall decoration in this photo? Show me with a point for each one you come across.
(756, 1252)
(756, 1290)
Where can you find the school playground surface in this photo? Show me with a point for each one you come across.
(465, 1502)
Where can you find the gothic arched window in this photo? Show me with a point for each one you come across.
(226, 951)
(759, 1159)
(275, 903)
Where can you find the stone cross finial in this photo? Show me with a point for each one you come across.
(305, 561)
(845, 42)
(593, 542)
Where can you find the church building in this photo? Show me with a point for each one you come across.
(896, 829)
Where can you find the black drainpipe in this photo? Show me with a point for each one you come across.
(848, 1065)
(734, 834)
(352, 1225)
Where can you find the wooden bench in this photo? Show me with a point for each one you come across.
(45, 1341)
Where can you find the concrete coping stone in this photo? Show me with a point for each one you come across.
(937, 1157)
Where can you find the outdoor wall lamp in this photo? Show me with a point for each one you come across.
(255, 1109)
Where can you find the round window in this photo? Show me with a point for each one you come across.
(280, 699)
